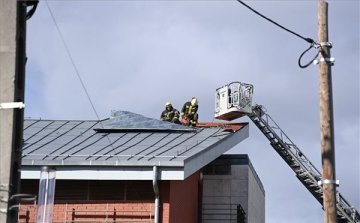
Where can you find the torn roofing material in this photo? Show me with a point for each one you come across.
(70, 144)
(127, 121)
(222, 125)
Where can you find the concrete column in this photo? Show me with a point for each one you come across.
(12, 81)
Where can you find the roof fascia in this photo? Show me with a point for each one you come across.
(107, 173)
(199, 160)
(86, 163)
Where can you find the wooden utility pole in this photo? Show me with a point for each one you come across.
(326, 117)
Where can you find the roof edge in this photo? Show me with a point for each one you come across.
(109, 173)
(199, 160)
(89, 163)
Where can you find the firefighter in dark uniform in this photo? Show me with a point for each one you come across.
(189, 112)
(170, 114)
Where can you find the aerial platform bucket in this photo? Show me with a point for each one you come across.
(233, 101)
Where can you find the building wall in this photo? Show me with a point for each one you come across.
(256, 201)
(222, 194)
(178, 201)
(165, 201)
(184, 200)
(223, 191)
(80, 211)
(81, 200)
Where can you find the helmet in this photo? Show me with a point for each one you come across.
(194, 101)
(168, 104)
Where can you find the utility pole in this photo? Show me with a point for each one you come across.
(12, 81)
(326, 117)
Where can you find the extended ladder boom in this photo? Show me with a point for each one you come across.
(305, 171)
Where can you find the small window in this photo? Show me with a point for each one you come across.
(96, 189)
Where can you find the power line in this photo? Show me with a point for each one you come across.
(72, 61)
(87, 94)
(309, 40)
(313, 44)
(308, 64)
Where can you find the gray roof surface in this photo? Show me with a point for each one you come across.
(125, 146)
(124, 120)
(56, 142)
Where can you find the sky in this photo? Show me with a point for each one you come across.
(137, 55)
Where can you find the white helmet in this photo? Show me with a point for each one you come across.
(168, 104)
(194, 101)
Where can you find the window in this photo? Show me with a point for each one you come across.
(95, 189)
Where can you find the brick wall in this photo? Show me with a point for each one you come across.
(178, 203)
(164, 201)
(73, 211)
(184, 200)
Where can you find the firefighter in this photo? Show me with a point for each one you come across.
(189, 112)
(170, 114)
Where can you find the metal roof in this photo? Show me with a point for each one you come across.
(128, 121)
(64, 143)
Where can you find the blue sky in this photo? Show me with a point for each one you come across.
(137, 55)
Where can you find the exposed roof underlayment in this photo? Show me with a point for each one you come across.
(126, 146)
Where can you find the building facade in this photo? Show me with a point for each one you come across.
(127, 168)
(216, 193)
(118, 201)
(230, 184)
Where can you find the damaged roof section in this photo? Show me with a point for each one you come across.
(222, 125)
(121, 121)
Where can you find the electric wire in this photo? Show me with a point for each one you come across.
(87, 94)
(309, 40)
(313, 44)
(72, 61)
(308, 64)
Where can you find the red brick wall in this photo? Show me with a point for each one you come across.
(178, 204)
(94, 210)
(164, 201)
(184, 200)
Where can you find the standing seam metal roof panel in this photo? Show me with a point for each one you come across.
(86, 144)
(77, 141)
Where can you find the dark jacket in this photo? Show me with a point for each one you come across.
(188, 109)
(169, 115)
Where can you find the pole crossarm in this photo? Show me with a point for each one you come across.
(305, 171)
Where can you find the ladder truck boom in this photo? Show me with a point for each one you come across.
(233, 101)
(305, 171)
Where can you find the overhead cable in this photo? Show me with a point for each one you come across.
(308, 64)
(72, 61)
(87, 94)
(309, 40)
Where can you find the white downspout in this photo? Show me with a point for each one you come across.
(157, 195)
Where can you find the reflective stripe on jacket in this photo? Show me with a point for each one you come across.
(188, 109)
(170, 115)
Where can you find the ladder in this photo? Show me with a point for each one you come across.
(305, 171)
